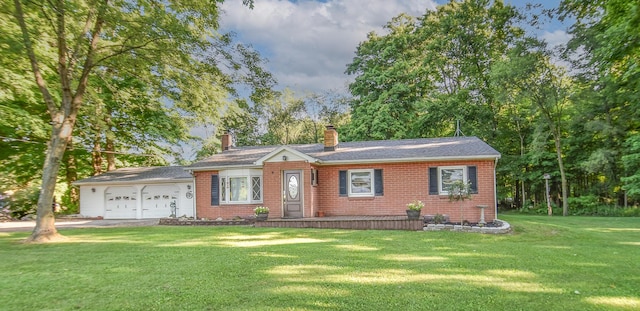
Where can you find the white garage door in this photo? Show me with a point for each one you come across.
(160, 201)
(120, 203)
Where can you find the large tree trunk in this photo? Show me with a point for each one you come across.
(63, 117)
(45, 229)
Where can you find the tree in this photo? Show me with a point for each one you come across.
(327, 108)
(605, 48)
(388, 82)
(67, 42)
(534, 78)
(631, 162)
(424, 75)
(284, 117)
(460, 191)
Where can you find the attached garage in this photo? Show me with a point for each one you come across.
(120, 203)
(160, 201)
(138, 193)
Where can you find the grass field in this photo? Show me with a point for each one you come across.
(558, 263)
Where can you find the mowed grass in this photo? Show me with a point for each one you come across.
(558, 263)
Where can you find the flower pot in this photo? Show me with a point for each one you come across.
(262, 216)
(413, 214)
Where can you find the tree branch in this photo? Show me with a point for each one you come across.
(63, 70)
(35, 67)
(123, 49)
(88, 62)
(80, 37)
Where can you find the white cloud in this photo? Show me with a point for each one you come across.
(309, 43)
(555, 38)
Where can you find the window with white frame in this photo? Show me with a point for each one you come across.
(442, 178)
(361, 183)
(448, 175)
(241, 186)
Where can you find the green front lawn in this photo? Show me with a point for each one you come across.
(558, 263)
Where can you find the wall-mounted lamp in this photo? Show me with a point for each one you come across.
(284, 158)
(93, 190)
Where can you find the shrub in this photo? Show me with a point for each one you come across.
(24, 202)
(439, 219)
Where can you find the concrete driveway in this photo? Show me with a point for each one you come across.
(11, 226)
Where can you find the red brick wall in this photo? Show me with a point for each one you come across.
(272, 181)
(203, 201)
(271, 195)
(403, 183)
(315, 202)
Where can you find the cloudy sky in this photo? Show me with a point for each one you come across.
(309, 43)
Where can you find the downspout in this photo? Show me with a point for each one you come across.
(193, 200)
(495, 188)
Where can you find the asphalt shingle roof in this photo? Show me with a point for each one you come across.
(380, 150)
(138, 174)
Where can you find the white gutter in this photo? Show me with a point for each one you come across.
(221, 168)
(495, 187)
(404, 160)
(193, 201)
(130, 182)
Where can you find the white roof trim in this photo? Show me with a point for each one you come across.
(273, 153)
(404, 160)
(222, 167)
(135, 182)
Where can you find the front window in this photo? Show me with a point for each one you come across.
(238, 189)
(449, 175)
(241, 186)
(256, 188)
(361, 183)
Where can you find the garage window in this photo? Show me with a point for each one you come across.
(240, 186)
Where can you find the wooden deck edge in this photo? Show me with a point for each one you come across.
(402, 224)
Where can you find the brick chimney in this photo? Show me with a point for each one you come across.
(225, 141)
(330, 138)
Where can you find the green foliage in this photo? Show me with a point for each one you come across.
(583, 206)
(129, 79)
(286, 118)
(69, 206)
(439, 219)
(631, 162)
(584, 202)
(459, 191)
(23, 201)
(604, 48)
(425, 74)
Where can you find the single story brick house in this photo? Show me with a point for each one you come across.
(137, 193)
(367, 178)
